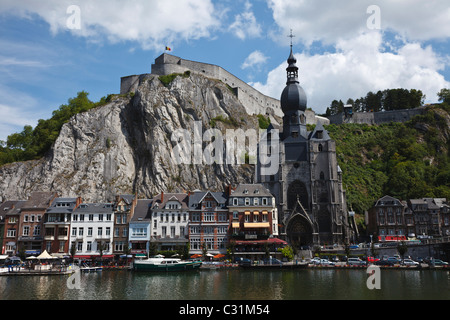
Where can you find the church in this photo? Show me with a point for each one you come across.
(308, 185)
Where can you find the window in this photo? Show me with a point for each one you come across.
(89, 246)
(118, 245)
(247, 201)
(79, 246)
(81, 217)
(235, 201)
(172, 232)
(25, 218)
(100, 231)
(61, 246)
(208, 216)
(108, 231)
(108, 217)
(235, 215)
(164, 232)
(37, 231)
(11, 233)
(255, 201)
(264, 201)
(74, 232)
(26, 231)
(75, 217)
(100, 217)
(89, 232)
(91, 217)
(80, 232)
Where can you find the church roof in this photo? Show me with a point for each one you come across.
(293, 97)
(319, 133)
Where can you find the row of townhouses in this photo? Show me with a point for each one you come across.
(246, 214)
(426, 217)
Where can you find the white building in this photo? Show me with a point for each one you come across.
(139, 228)
(92, 230)
(170, 220)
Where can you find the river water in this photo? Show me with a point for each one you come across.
(231, 284)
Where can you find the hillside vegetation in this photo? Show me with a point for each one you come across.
(404, 160)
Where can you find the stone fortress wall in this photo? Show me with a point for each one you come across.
(372, 118)
(254, 101)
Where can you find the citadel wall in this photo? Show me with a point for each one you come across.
(372, 118)
(254, 101)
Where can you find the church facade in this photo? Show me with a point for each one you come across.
(308, 185)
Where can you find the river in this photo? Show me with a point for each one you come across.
(232, 284)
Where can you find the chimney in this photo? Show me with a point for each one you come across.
(162, 197)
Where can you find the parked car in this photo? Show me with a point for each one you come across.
(325, 262)
(355, 261)
(315, 261)
(394, 260)
(384, 263)
(409, 262)
(372, 259)
(439, 262)
(244, 261)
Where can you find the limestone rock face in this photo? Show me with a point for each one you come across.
(125, 146)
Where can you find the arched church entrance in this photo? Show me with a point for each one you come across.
(299, 231)
(297, 189)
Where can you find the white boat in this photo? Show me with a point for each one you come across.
(86, 268)
(165, 264)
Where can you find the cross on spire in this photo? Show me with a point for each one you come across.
(291, 36)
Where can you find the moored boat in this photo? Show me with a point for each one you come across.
(165, 264)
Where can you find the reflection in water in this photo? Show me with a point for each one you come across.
(232, 285)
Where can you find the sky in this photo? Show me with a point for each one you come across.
(52, 49)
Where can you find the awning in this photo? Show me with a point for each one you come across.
(235, 224)
(265, 212)
(256, 225)
(247, 212)
(255, 212)
(218, 256)
(195, 256)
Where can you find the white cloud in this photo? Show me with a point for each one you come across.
(330, 20)
(152, 23)
(245, 25)
(358, 66)
(255, 59)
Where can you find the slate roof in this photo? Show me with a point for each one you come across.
(180, 197)
(39, 200)
(252, 190)
(142, 212)
(196, 198)
(95, 208)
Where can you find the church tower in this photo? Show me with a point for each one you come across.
(308, 185)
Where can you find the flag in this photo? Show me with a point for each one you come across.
(168, 49)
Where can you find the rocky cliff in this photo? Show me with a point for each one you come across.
(125, 146)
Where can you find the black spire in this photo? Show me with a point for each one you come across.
(292, 69)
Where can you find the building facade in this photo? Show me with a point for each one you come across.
(124, 206)
(170, 220)
(31, 232)
(414, 218)
(208, 222)
(308, 185)
(11, 211)
(139, 233)
(92, 230)
(57, 221)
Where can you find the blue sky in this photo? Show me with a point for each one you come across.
(52, 49)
